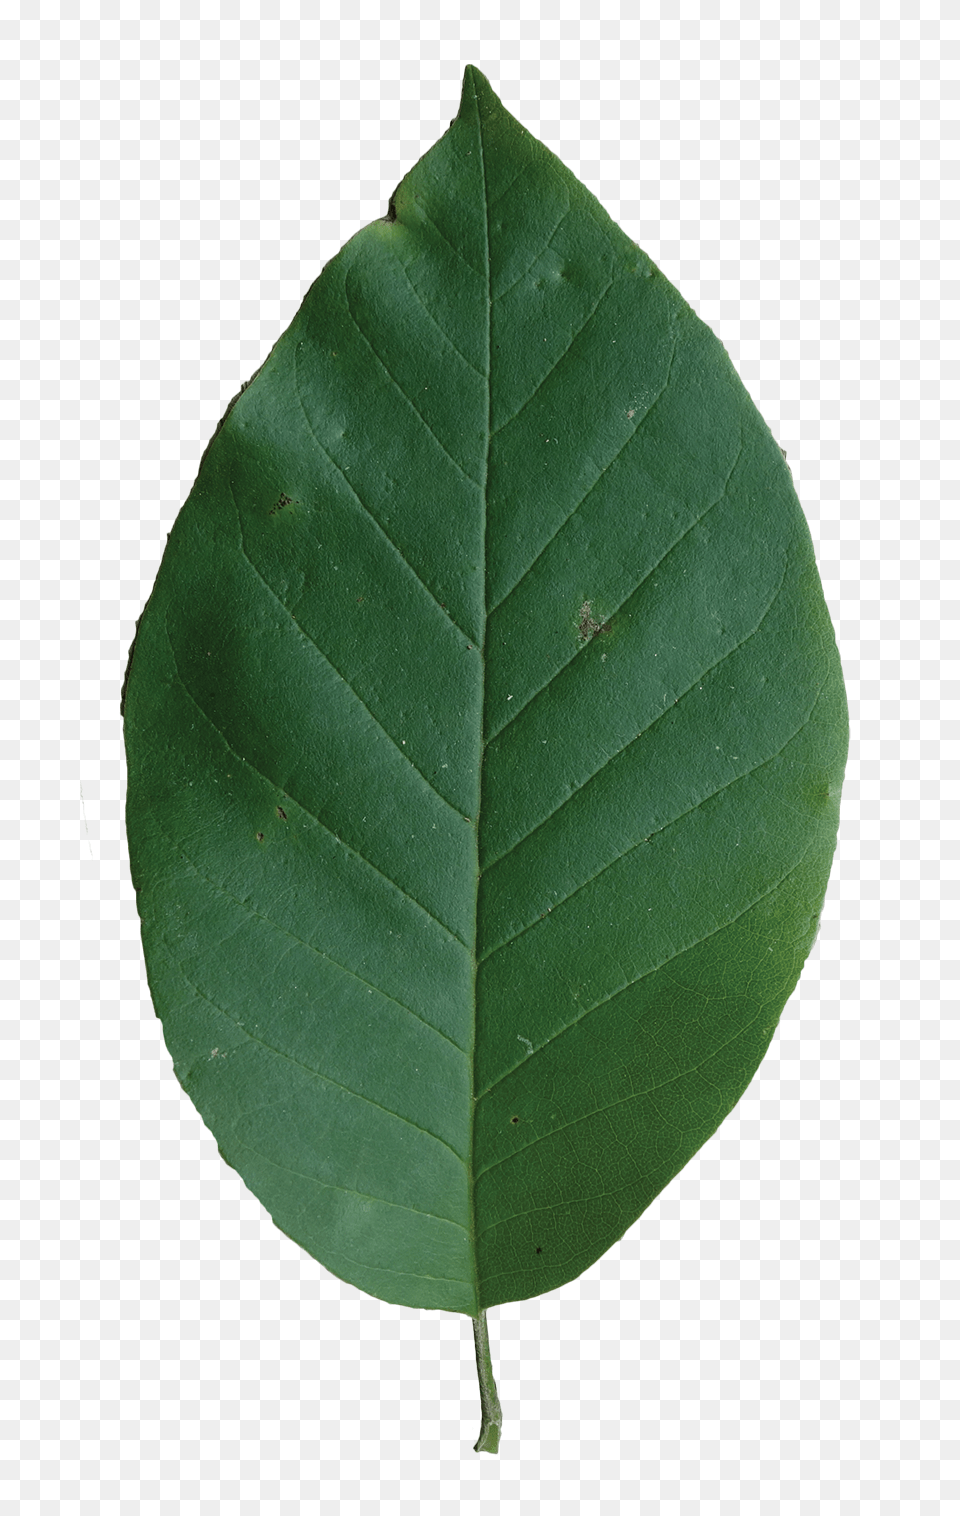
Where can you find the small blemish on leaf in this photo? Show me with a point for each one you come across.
(587, 625)
(259, 836)
(514, 1120)
(281, 813)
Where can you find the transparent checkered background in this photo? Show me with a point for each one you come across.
(776, 1333)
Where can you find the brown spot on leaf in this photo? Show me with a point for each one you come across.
(587, 626)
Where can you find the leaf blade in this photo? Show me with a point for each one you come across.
(491, 619)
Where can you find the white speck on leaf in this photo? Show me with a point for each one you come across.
(528, 1044)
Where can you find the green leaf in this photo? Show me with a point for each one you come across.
(485, 732)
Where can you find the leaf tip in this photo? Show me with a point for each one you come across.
(477, 89)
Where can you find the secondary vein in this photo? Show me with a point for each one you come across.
(279, 1052)
(688, 947)
(241, 758)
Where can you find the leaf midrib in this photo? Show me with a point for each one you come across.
(481, 710)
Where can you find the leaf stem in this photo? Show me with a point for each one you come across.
(492, 1416)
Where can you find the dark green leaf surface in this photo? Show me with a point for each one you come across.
(485, 732)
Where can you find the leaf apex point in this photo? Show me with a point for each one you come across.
(477, 88)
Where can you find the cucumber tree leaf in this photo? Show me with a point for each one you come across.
(485, 731)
